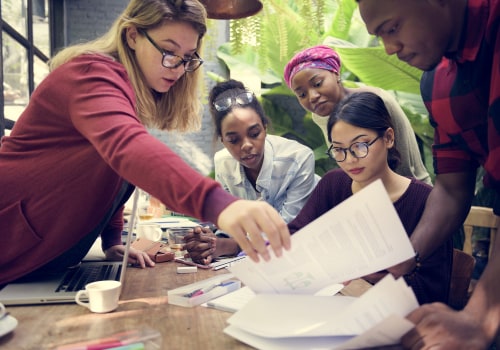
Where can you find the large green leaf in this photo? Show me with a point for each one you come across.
(374, 67)
(245, 63)
(417, 113)
(341, 24)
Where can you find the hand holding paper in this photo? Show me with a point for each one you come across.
(362, 235)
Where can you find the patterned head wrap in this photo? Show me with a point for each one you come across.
(321, 56)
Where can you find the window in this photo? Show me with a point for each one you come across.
(25, 51)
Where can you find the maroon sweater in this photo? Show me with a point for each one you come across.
(67, 156)
(431, 282)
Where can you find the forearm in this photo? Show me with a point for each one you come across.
(112, 233)
(445, 211)
(484, 304)
(226, 246)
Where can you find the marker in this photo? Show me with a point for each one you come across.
(135, 346)
(201, 291)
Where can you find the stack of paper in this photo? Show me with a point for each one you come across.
(360, 236)
(315, 322)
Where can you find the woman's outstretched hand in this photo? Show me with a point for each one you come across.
(246, 221)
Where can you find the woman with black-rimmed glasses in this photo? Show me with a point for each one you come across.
(362, 142)
(314, 76)
(77, 151)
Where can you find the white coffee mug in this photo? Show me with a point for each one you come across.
(149, 231)
(102, 296)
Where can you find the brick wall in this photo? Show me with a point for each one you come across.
(87, 19)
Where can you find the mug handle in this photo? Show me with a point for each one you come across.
(78, 295)
(159, 233)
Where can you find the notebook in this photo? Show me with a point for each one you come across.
(232, 302)
(62, 288)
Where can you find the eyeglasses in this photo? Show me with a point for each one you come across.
(225, 103)
(357, 150)
(173, 61)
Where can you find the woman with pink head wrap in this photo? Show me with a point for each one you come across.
(313, 74)
(321, 57)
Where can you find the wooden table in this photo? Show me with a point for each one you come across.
(143, 304)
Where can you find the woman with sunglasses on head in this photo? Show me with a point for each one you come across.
(314, 76)
(362, 140)
(253, 164)
(81, 145)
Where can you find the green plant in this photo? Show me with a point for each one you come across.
(270, 41)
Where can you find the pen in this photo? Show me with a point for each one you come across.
(118, 339)
(223, 263)
(201, 291)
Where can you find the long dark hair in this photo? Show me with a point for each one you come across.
(365, 110)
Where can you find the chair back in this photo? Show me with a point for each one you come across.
(461, 274)
(461, 284)
(480, 217)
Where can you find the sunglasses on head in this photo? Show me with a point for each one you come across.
(241, 99)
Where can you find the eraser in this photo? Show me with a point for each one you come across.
(186, 269)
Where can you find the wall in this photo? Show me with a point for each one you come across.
(87, 19)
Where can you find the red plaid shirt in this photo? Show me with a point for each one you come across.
(462, 95)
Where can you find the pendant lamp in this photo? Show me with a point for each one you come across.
(231, 9)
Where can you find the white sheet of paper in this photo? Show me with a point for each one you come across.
(388, 297)
(387, 332)
(298, 343)
(362, 235)
(311, 316)
(377, 318)
(292, 315)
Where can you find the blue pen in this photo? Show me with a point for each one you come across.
(227, 283)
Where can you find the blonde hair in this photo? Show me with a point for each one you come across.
(180, 107)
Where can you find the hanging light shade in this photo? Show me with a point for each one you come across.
(231, 9)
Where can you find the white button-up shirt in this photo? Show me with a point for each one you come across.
(285, 181)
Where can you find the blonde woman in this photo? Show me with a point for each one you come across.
(81, 146)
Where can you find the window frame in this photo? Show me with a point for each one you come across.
(56, 37)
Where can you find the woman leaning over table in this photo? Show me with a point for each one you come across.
(362, 142)
(81, 145)
(313, 74)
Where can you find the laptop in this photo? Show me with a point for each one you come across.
(62, 288)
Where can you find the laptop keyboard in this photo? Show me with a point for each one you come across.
(77, 278)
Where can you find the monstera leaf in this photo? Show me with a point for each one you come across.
(374, 67)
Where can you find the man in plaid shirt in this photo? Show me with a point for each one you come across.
(457, 44)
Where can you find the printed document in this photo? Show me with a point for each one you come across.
(362, 235)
